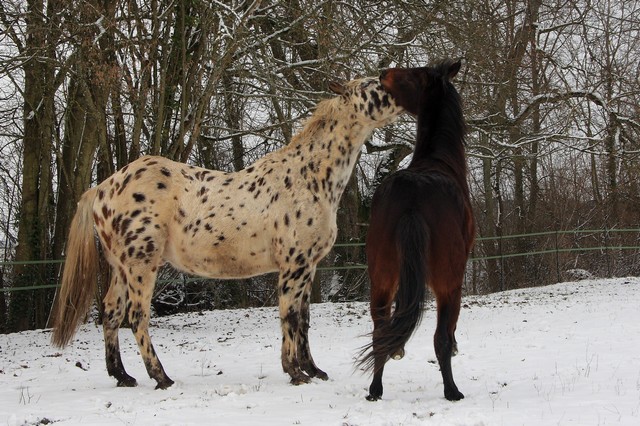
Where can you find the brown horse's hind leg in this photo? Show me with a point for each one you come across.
(307, 364)
(380, 313)
(383, 274)
(444, 340)
(114, 311)
(140, 292)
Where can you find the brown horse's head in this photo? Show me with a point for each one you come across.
(407, 85)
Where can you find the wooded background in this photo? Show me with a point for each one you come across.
(551, 91)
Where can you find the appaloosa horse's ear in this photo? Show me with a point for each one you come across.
(453, 69)
(337, 87)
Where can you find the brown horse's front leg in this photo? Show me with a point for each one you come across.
(445, 344)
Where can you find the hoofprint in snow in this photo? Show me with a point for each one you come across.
(563, 354)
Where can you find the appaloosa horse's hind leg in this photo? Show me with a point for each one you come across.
(448, 306)
(114, 312)
(142, 279)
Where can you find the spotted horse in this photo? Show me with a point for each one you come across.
(279, 214)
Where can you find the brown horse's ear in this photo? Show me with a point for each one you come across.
(337, 87)
(454, 68)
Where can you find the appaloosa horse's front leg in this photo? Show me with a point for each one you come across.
(139, 307)
(307, 363)
(294, 283)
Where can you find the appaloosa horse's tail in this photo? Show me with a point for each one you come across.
(79, 279)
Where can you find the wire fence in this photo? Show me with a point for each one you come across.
(599, 252)
(497, 263)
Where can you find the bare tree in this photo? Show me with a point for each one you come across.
(551, 94)
(36, 52)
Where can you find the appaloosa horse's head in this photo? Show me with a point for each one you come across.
(369, 99)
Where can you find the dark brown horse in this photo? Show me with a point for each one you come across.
(421, 228)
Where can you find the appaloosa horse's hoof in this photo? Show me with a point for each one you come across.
(300, 379)
(316, 372)
(164, 384)
(128, 382)
(322, 375)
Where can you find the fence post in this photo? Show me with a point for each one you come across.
(557, 257)
(501, 262)
(607, 251)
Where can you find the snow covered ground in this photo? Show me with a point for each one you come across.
(565, 354)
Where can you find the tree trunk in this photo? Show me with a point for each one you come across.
(492, 228)
(86, 124)
(28, 309)
(94, 74)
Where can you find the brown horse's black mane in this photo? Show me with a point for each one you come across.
(441, 125)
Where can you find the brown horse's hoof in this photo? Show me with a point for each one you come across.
(372, 398)
(398, 355)
(453, 395)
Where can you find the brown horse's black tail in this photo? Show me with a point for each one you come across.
(390, 336)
